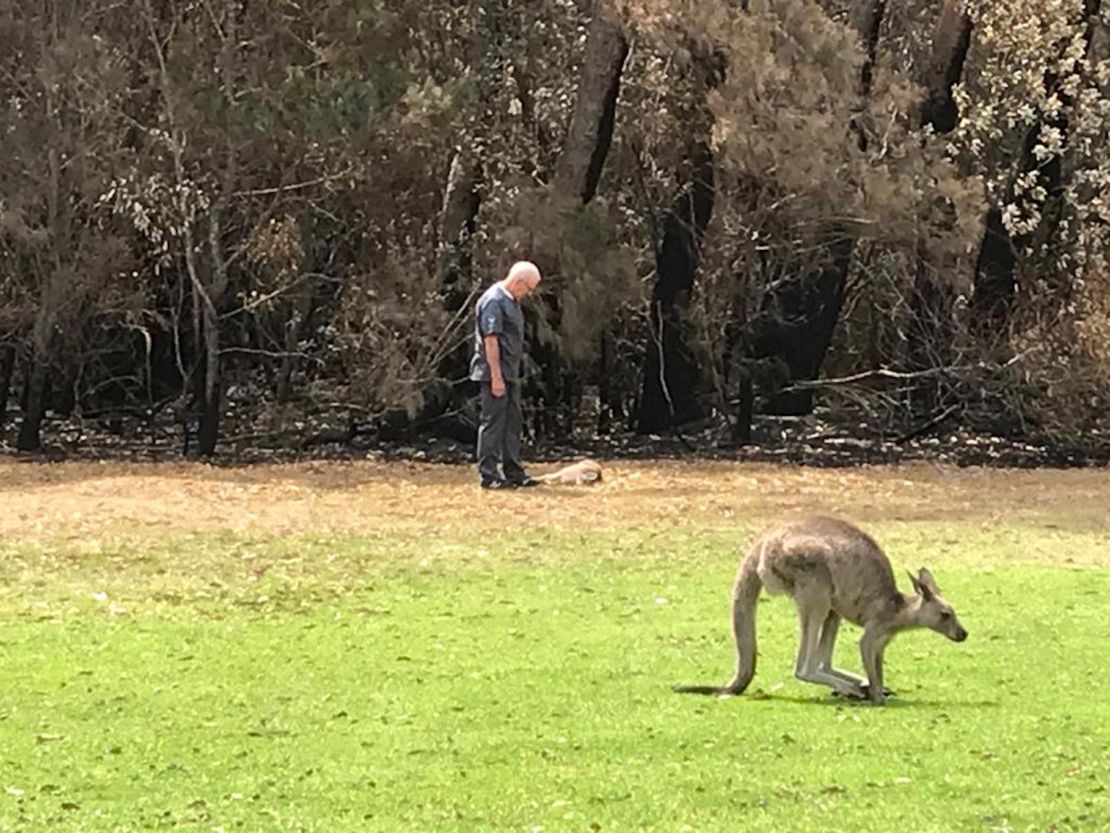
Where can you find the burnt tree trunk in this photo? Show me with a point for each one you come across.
(295, 329)
(866, 17)
(745, 408)
(669, 395)
(209, 380)
(808, 309)
(671, 381)
(994, 291)
(63, 397)
(797, 323)
(7, 367)
(209, 388)
(458, 217)
(576, 177)
(610, 398)
(457, 224)
(945, 67)
(459, 211)
(35, 396)
(929, 332)
(207, 371)
(590, 134)
(456, 229)
(37, 375)
(54, 291)
(208, 433)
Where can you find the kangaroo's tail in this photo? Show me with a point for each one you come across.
(744, 599)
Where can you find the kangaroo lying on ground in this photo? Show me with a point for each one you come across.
(834, 571)
(582, 473)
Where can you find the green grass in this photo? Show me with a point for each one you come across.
(210, 682)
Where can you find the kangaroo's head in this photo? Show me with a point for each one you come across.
(934, 612)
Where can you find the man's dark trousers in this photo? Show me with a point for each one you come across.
(499, 434)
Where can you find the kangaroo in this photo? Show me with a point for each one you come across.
(834, 571)
(582, 473)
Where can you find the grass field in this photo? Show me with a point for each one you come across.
(368, 647)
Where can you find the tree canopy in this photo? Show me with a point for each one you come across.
(220, 212)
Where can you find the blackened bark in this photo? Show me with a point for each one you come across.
(995, 289)
(7, 367)
(208, 434)
(458, 222)
(669, 397)
(669, 394)
(866, 17)
(35, 397)
(295, 329)
(945, 67)
(610, 404)
(577, 173)
(456, 229)
(63, 398)
(994, 292)
(209, 388)
(745, 407)
(929, 331)
(552, 385)
(590, 134)
(797, 322)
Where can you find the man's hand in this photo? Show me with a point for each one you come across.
(493, 356)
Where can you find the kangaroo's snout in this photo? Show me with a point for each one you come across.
(960, 636)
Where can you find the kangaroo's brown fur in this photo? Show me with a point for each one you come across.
(834, 571)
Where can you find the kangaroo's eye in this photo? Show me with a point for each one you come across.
(946, 616)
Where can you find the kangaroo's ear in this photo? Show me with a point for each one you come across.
(921, 588)
(926, 580)
(918, 587)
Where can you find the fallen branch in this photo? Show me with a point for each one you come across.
(908, 375)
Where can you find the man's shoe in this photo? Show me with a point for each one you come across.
(526, 483)
(497, 484)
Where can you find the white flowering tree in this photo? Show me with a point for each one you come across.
(1035, 121)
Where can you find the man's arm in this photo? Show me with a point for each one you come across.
(493, 356)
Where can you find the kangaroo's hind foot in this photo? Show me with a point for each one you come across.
(886, 692)
(862, 693)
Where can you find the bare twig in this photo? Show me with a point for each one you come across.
(297, 186)
(274, 354)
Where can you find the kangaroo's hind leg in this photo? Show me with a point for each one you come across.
(829, 630)
(813, 608)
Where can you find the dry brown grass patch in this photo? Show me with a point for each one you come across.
(333, 497)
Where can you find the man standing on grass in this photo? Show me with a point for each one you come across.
(498, 349)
